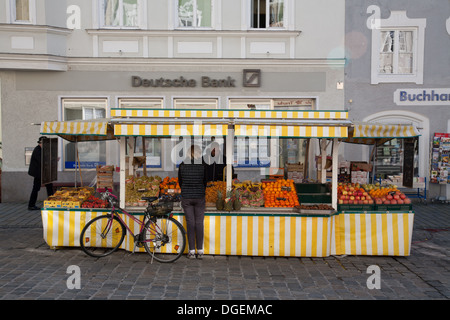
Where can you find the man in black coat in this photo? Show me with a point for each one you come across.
(35, 171)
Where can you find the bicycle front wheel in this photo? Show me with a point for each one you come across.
(102, 236)
(164, 239)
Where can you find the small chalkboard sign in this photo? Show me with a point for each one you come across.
(408, 162)
(49, 160)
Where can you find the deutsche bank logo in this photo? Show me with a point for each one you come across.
(252, 78)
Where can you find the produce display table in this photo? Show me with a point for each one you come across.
(257, 233)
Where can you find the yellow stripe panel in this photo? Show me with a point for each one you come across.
(384, 131)
(222, 113)
(73, 127)
(386, 234)
(291, 131)
(169, 130)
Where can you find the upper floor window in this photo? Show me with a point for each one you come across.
(194, 13)
(22, 11)
(120, 13)
(398, 45)
(144, 103)
(397, 54)
(267, 14)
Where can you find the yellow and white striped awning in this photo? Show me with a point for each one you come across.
(371, 133)
(231, 114)
(291, 131)
(79, 130)
(170, 130)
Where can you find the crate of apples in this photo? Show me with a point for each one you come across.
(350, 193)
(393, 197)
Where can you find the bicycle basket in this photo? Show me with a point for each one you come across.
(160, 209)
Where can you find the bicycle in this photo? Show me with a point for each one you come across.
(162, 236)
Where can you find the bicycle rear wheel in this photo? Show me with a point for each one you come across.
(164, 239)
(102, 236)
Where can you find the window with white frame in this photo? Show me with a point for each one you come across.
(121, 13)
(194, 13)
(271, 104)
(22, 11)
(89, 154)
(397, 52)
(398, 46)
(267, 14)
(144, 103)
(195, 103)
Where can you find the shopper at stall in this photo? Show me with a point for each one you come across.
(217, 165)
(35, 171)
(192, 178)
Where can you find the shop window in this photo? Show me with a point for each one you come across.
(267, 14)
(152, 151)
(194, 13)
(294, 104)
(293, 151)
(141, 103)
(272, 104)
(251, 152)
(256, 104)
(90, 154)
(22, 11)
(192, 103)
(389, 159)
(398, 45)
(120, 13)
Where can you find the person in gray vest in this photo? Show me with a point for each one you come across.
(192, 178)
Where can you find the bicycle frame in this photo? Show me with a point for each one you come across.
(114, 212)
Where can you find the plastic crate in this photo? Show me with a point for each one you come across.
(311, 188)
(314, 198)
(356, 207)
(393, 207)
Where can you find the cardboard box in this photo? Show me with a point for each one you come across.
(360, 166)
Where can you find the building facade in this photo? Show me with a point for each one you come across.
(398, 71)
(72, 60)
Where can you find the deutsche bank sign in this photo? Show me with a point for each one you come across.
(422, 97)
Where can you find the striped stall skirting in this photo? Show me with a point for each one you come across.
(368, 233)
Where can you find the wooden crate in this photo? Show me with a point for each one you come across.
(105, 177)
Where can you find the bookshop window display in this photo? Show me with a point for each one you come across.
(440, 159)
(389, 158)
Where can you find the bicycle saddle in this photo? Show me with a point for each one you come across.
(149, 199)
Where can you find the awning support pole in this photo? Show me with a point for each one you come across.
(122, 148)
(230, 152)
(334, 179)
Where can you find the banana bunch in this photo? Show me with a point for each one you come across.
(248, 185)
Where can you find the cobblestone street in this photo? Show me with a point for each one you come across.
(31, 270)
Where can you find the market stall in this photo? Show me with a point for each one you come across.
(281, 225)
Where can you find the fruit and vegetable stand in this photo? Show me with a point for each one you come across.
(271, 217)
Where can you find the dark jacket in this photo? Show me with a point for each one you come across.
(35, 163)
(192, 179)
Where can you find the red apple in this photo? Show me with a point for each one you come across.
(400, 201)
(389, 197)
(393, 201)
(407, 201)
(396, 197)
(403, 196)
